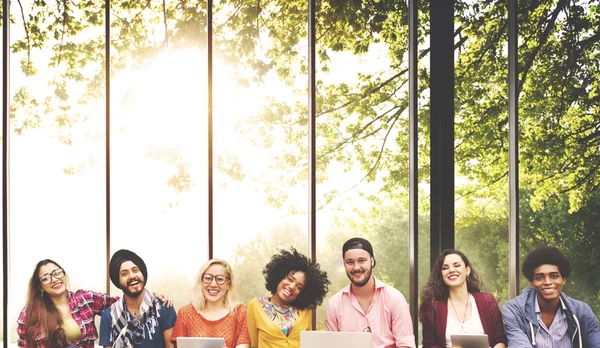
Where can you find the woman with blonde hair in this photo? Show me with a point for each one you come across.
(213, 311)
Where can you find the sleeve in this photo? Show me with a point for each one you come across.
(180, 327)
(101, 301)
(496, 329)
(21, 330)
(105, 329)
(252, 328)
(514, 334)
(242, 326)
(402, 327)
(429, 331)
(592, 329)
(331, 321)
(168, 316)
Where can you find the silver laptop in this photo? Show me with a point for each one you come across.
(332, 339)
(200, 342)
(470, 341)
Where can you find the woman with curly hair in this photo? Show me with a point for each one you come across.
(452, 303)
(297, 286)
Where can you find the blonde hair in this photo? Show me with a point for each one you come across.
(198, 299)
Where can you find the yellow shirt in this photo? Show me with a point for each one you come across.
(264, 333)
(72, 330)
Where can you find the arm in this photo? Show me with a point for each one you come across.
(166, 321)
(252, 328)
(100, 301)
(167, 338)
(180, 327)
(497, 336)
(591, 329)
(243, 339)
(331, 322)
(401, 322)
(516, 337)
(21, 330)
(429, 331)
(105, 328)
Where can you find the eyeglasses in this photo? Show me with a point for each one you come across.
(56, 274)
(208, 278)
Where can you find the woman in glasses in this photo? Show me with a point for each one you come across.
(213, 311)
(297, 286)
(452, 304)
(56, 317)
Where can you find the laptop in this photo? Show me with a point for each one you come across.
(333, 339)
(470, 341)
(200, 342)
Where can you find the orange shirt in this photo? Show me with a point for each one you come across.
(233, 328)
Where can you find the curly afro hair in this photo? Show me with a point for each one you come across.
(317, 283)
(546, 256)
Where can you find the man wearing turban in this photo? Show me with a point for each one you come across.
(139, 319)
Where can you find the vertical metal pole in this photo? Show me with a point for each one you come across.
(413, 163)
(107, 132)
(209, 51)
(5, 163)
(513, 148)
(442, 126)
(312, 130)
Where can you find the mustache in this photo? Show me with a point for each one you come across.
(136, 279)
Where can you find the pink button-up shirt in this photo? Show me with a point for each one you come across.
(388, 317)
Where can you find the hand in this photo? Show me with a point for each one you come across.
(166, 300)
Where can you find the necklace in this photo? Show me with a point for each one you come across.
(462, 329)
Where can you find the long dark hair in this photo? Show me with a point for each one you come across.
(41, 315)
(436, 289)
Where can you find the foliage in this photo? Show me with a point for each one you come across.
(362, 121)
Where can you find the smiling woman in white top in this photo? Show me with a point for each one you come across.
(452, 303)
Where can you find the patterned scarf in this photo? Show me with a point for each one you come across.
(125, 333)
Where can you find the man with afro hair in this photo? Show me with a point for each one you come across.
(543, 315)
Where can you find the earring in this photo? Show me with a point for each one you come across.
(42, 294)
(468, 279)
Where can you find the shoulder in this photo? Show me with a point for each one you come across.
(186, 310)
(241, 309)
(21, 318)
(106, 315)
(254, 303)
(390, 292)
(336, 298)
(578, 307)
(484, 297)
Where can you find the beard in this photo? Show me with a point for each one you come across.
(137, 293)
(367, 276)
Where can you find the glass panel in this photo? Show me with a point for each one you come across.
(159, 140)
(362, 137)
(481, 145)
(559, 138)
(57, 168)
(260, 98)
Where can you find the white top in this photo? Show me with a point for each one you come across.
(471, 326)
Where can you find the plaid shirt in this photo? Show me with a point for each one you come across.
(84, 306)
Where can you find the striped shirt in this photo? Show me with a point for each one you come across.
(554, 336)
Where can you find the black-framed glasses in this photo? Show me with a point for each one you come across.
(208, 278)
(56, 274)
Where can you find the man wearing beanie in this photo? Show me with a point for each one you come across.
(367, 304)
(139, 319)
